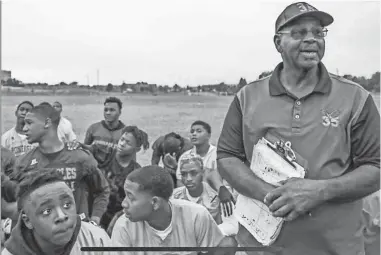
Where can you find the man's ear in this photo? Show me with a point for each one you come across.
(26, 220)
(156, 201)
(138, 149)
(277, 43)
(48, 122)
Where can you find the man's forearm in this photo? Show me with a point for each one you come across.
(354, 185)
(242, 179)
(215, 180)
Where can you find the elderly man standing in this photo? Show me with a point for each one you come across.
(331, 122)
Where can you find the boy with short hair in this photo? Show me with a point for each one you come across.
(151, 219)
(198, 191)
(48, 222)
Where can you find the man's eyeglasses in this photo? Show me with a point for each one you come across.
(298, 34)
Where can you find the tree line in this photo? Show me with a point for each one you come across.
(371, 84)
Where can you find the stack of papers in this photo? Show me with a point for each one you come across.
(254, 215)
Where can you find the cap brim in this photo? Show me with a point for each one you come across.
(324, 18)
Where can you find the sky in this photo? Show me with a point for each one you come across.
(188, 42)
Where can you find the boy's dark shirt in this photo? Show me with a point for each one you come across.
(80, 172)
(116, 175)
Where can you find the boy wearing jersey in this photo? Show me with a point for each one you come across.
(15, 139)
(197, 191)
(48, 221)
(78, 167)
(102, 137)
(65, 129)
(151, 219)
(200, 133)
(131, 142)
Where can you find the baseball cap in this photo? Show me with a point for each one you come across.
(301, 9)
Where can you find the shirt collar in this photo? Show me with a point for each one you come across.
(277, 89)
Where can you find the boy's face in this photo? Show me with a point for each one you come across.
(199, 135)
(111, 112)
(34, 127)
(58, 107)
(51, 212)
(127, 144)
(23, 110)
(191, 176)
(138, 204)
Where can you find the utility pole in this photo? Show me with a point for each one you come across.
(88, 80)
(98, 77)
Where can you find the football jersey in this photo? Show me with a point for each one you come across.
(104, 142)
(16, 142)
(80, 172)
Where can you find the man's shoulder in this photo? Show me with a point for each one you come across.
(94, 233)
(255, 85)
(125, 224)
(341, 81)
(95, 126)
(7, 134)
(80, 155)
(188, 207)
(179, 193)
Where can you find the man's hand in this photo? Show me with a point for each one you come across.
(227, 201)
(73, 145)
(96, 219)
(295, 197)
(170, 161)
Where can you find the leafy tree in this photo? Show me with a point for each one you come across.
(109, 87)
(176, 88)
(264, 74)
(242, 83)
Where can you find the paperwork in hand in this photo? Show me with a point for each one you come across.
(272, 162)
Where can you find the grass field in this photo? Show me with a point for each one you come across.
(157, 115)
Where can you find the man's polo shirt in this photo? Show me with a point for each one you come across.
(192, 226)
(336, 128)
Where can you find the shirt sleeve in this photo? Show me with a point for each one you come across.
(98, 187)
(207, 231)
(366, 136)
(71, 134)
(89, 136)
(3, 140)
(230, 143)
